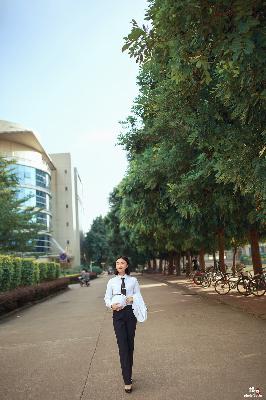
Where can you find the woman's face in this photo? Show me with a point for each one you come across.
(121, 266)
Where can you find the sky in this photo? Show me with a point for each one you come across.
(63, 75)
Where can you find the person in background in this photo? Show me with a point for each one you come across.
(86, 276)
(195, 264)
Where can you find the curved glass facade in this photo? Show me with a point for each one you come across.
(35, 198)
(32, 176)
(43, 244)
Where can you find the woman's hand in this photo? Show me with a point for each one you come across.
(129, 300)
(116, 307)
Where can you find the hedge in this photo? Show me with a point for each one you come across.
(18, 297)
(16, 272)
(97, 269)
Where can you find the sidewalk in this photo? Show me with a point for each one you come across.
(188, 349)
(250, 304)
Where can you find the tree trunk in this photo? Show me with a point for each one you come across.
(149, 265)
(221, 249)
(164, 266)
(171, 264)
(189, 264)
(160, 266)
(183, 261)
(202, 260)
(214, 260)
(154, 264)
(255, 251)
(234, 260)
(177, 264)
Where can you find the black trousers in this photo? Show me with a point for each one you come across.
(125, 322)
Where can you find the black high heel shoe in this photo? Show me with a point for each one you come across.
(128, 390)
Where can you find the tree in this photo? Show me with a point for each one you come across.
(200, 85)
(95, 244)
(18, 231)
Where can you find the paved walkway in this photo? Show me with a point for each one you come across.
(190, 348)
(250, 304)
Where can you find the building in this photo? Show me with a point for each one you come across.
(67, 204)
(54, 186)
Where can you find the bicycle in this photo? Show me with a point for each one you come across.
(211, 277)
(258, 284)
(243, 284)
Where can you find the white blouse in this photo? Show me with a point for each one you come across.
(114, 287)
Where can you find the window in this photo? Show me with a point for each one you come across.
(43, 179)
(65, 171)
(31, 176)
(66, 205)
(68, 241)
(43, 244)
(66, 188)
(67, 224)
(41, 199)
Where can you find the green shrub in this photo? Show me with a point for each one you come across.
(29, 272)
(43, 271)
(57, 270)
(16, 271)
(97, 269)
(53, 270)
(20, 296)
(7, 272)
(16, 278)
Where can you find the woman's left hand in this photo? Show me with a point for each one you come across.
(129, 300)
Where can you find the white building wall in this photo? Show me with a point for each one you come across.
(65, 227)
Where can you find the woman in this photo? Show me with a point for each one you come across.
(124, 320)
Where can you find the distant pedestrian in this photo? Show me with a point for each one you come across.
(87, 276)
(195, 264)
(125, 287)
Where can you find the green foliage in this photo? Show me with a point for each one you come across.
(7, 272)
(29, 272)
(16, 271)
(214, 57)
(16, 279)
(53, 271)
(43, 271)
(97, 269)
(95, 244)
(196, 139)
(17, 227)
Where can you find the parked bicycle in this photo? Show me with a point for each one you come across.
(258, 284)
(243, 284)
(226, 283)
(210, 278)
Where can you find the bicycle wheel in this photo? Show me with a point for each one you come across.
(243, 286)
(222, 286)
(258, 286)
(206, 281)
(197, 279)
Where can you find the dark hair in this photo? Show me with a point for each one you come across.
(127, 261)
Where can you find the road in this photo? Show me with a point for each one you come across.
(189, 348)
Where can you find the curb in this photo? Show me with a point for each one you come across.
(31, 304)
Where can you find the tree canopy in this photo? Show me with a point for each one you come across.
(196, 138)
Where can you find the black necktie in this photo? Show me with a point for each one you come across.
(123, 286)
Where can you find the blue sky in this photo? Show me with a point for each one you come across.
(63, 75)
